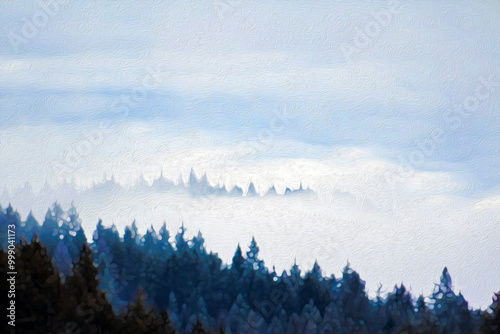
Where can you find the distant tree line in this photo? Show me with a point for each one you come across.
(145, 284)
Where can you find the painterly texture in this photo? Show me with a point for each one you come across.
(365, 132)
(148, 284)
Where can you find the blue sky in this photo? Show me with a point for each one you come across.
(340, 96)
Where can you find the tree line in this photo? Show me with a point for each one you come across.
(147, 284)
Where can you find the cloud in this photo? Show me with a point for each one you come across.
(263, 94)
(391, 233)
(491, 203)
(86, 155)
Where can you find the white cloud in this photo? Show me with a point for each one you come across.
(361, 208)
(490, 203)
(86, 154)
(394, 222)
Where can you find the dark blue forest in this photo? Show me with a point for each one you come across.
(145, 284)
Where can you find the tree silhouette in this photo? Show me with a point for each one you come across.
(39, 290)
(491, 321)
(140, 320)
(118, 285)
(451, 311)
(198, 328)
(84, 304)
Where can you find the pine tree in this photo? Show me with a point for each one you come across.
(84, 304)
(131, 262)
(352, 300)
(238, 261)
(9, 217)
(150, 243)
(423, 321)
(244, 297)
(139, 320)
(314, 288)
(30, 227)
(167, 325)
(39, 287)
(198, 328)
(451, 311)
(62, 259)
(491, 321)
(53, 228)
(136, 319)
(293, 284)
(166, 248)
(222, 330)
(75, 237)
(252, 262)
(399, 311)
(199, 244)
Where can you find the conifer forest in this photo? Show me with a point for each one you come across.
(250, 167)
(163, 283)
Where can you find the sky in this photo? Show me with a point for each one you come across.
(367, 131)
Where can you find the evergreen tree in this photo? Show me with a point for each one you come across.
(314, 288)
(199, 292)
(252, 262)
(423, 320)
(167, 325)
(38, 290)
(166, 248)
(62, 259)
(84, 304)
(75, 238)
(491, 321)
(30, 227)
(9, 217)
(131, 263)
(399, 311)
(293, 284)
(139, 320)
(222, 330)
(199, 244)
(108, 273)
(352, 301)
(198, 328)
(451, 311)
(180, 242)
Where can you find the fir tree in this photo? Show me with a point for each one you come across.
(195, 286)
(38, 290)
(252, 262)
(491, 321)
(451, 311)
(198, 328)
(139, 320)
(84, 303)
